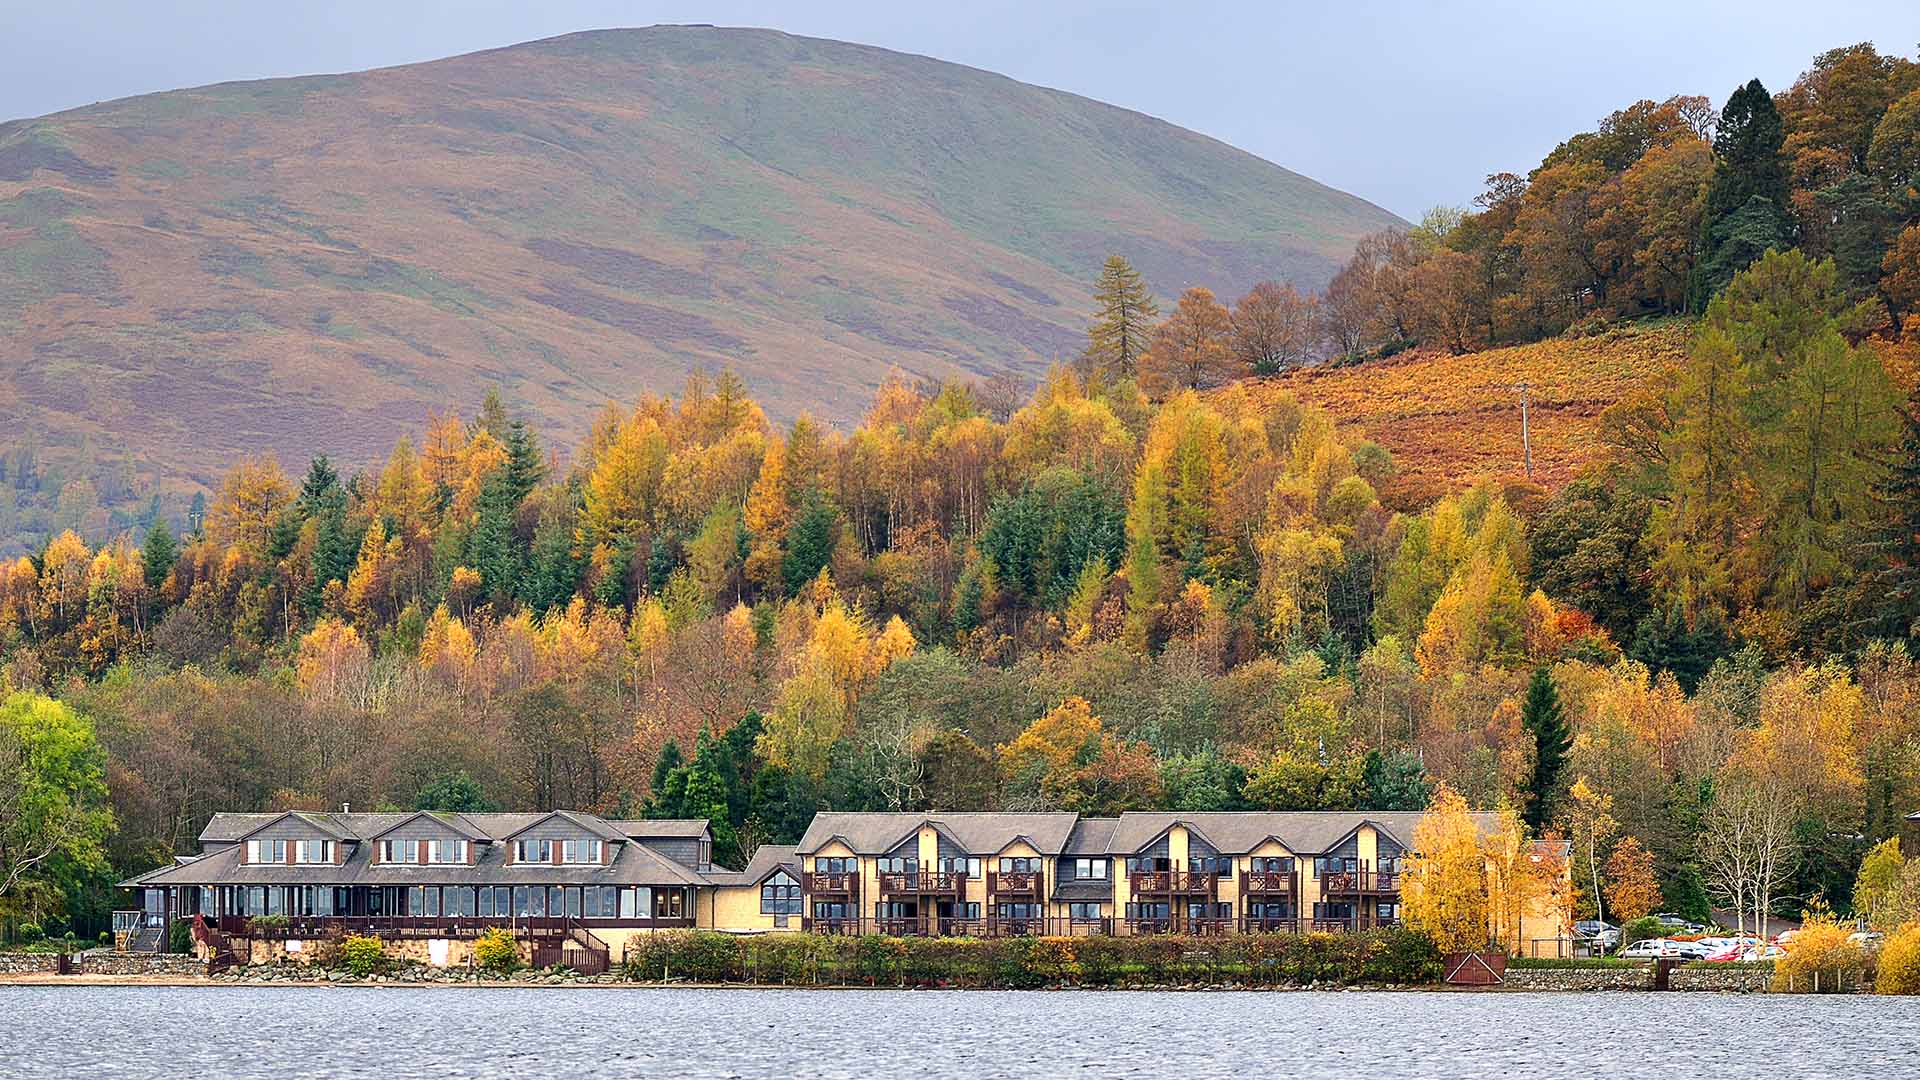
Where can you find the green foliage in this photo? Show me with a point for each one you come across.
(180, 937)
(456, 792)
(810, 542)
(1394, 957)
(363, 955)
(158, 554)
(1395, 781)
(1641, 930)
(1545, 720)
(54, 819)
(30, 933)
(1747, 203)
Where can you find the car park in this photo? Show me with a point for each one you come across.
(1648, 949)
(1603, 936)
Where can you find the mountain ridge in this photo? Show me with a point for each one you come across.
(310, 264)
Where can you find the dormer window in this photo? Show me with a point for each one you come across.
(582, 851)
(533, 851)
(283, 852)
(446, 851)
(399, 851)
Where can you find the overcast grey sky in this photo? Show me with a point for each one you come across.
(1406, 104)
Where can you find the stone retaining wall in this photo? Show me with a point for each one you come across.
(1633, 978)
(101, 962)
(1729, 980)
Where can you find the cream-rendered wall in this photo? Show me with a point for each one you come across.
(737, 907)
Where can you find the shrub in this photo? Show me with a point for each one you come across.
(180, 937)
(363, 955)
(1820, 959)
(268, 924)
(106, 937)
(30, 933)
(1052, 960)
(1900, 962)
(1642, 930)
(496, 951)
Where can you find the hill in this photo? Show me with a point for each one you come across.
(1450, 420)
(311, 264)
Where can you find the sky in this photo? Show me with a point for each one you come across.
(1409, 105)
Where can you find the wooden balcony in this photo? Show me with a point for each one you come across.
(1174, 882)
(1270, 924)
(847, 925)
(842, 883)
(924, 883)
(1362, 883)
(1013, 883)
(1267, 882)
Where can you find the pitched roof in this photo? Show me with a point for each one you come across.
(658, 828)
(457, 822)
(767, 858)
(1238, 832)
(633, 864)
(977, 834)
(229, 828)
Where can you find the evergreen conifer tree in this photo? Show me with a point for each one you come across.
(1544, 719)
(158, 553)
(1746, 211)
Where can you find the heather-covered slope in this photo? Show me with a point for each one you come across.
(305, 265)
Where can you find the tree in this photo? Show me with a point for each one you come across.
(454, 792)
(1590, 823)
(1191, 350)
(1274, 328)
(54, 819)
(158, 554)
(1546, 722)
(1632, 889)
(1444, 887)
(1396, 780)
(1122, 322)
(1886, 892)
(1746, 212)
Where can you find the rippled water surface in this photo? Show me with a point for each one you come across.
(395, 1033)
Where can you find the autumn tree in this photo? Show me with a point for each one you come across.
(1632, 889)
(1192, 349)
(1274, 328)
(1124, 312)
(1444, 887)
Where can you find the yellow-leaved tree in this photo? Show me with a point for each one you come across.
(1444, 893)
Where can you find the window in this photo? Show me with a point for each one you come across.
(960, 864)
(603, 902)
(1081, 911)
(1211, 864)
(529, 901)
(1331, 912)
(1325, 865)
(1019, 866)
(1090, 869)
(836, 865)
(399, 851)
(780, 895)
(1273, 865)
(1149, 911)
(1140, 864)
(313, 851)
(831, 909)
(1272, 911)
(1389, 864)
(1200, 909)
(670, 904)
(459, 903)
(1016, 911)
(447, 851)
(581, 851)
(533, 851)
(636, 903)
(277, 851)
(898, 865)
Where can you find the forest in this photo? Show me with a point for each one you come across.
(1133, 587)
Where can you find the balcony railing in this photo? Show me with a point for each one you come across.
(1269, 881)
(1359, 882)
(830, 925)
(923, 882)
(1173, 881)
(1013, 882)
(320, 927)
(845, 882)
(1270, 924)
(1352, 925)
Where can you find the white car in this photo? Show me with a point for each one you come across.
(1764, 952)
(1650, 948)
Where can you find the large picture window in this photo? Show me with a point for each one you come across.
(447, 851)
(780, 895)
(533, 851)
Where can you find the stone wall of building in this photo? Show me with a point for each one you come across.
(101, 962)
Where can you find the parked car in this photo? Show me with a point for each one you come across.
(1764, 952)
(1604, 936)
(1691, 950)
(1649, 948)
(1726, 954)
(1675, 921)
(1867, 939)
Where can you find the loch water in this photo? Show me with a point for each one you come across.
(402, 1033)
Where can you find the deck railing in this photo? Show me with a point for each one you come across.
(1356, 882)
(1268, 881)
(1013, 882)
(1173, 881)
(923, 882)
(844, 882)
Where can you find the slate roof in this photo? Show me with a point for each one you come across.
(1236, 833)
(977, 834)
(228, 828)
(766, 859)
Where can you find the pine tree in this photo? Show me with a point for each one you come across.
(1746, 211)
(666, 797)
(1122, 322)
(810, 543)
(1892, 589)
(1546, 721)
(158, 554)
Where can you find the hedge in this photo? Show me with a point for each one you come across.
(1377, 957)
